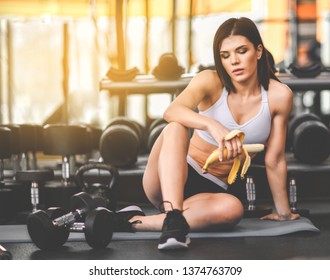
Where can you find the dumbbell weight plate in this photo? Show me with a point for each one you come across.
(119, 145)
(311, 142)
(44, 234)
(5, 147)
(34, 175)
(99, 228)
(62, 139)
(295, 122)
(129, 123)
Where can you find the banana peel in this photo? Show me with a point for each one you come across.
(246, 149)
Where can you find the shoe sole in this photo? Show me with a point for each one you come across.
(173, 244)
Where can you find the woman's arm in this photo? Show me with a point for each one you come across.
(275, 160)
(182, 109)
(203, 90)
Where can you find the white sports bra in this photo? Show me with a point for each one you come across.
(256, 130)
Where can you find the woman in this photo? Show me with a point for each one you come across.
(241, 94)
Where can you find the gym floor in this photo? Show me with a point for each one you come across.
(298, 246)
(314, 195)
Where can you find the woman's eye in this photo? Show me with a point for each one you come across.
(242, 51)
(224, 56)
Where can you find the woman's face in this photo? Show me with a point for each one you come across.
(239, 58)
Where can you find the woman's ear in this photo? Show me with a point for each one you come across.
(259, 51)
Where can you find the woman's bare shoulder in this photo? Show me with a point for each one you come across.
(208, 79)
(279, 95)
(278, 90)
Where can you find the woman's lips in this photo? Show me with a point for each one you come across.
(238, 71)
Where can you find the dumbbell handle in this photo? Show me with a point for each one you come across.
(250, 193)
(77, 227)
(34, 196)
(293, 194)
(69, 219)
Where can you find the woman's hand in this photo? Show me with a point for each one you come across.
(280, 218)
(233, 146)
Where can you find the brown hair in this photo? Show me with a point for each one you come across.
(247, 28)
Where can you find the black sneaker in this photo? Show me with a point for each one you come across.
(123, 216)
(174, 232)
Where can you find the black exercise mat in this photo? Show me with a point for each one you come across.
(248, 227)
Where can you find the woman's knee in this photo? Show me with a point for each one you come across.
(229, 212)
(237, 210)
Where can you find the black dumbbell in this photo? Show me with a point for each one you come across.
(309, 139)
(50, 229)
(168, 68)
(121, 142)
(106, 186)
(30, 143)
(6, 194)
(67, 141)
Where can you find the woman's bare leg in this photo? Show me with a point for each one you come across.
(203, 211)
(164, 180)
(167, 169)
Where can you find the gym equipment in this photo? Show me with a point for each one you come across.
(34, 177)
(67, 141)
(95, 135)
(155, 129)
(4, 254)
(295, 122)
(308, 139)
(309, 71)
(50, 229)
(30, 143)
(168, 68)
(121, 142)
(253, 211)
(293, 199)
(12, 164)
(15, 145)
(120, 75)
(105, 189)
(6, 194)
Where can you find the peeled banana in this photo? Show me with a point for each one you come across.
(246, 149)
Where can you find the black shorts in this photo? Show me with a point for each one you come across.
(198, 184)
